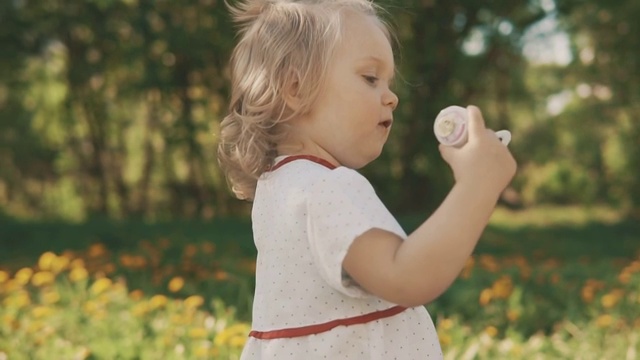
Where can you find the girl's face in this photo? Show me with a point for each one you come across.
(351, 119)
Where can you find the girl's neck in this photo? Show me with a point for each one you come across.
(310, 149)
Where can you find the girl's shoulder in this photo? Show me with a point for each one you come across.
(313, 174)
(343, 178)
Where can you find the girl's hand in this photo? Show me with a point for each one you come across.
(483, 162)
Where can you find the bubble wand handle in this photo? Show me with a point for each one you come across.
(451, 127)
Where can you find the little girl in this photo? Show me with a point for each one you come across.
(337, 277)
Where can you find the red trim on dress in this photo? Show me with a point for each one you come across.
(315, 159)
(320, 328)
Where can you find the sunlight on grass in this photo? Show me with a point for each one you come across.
(549, 215)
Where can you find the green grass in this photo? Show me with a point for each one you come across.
(545, 283)
(562, 232)
(23, 242)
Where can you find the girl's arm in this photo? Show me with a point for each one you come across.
(417, 270)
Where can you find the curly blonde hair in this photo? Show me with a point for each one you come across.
(283, 44)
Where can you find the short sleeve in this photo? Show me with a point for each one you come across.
(340, 207)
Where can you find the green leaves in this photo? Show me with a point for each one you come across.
(119, 101)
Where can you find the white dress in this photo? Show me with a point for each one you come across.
(305, 216)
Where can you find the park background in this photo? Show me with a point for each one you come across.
(119, 237)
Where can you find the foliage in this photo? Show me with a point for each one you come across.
(110, 108)
(542, 284)
(593, 138)
(117, 102)
(57, 310)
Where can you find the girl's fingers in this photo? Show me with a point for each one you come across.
(475, 122)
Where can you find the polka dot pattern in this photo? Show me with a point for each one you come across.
(305, 216)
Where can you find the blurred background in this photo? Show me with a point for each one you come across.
(109, 111)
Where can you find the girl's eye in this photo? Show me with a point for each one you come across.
(370, 79)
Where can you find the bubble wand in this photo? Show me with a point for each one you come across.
(451, 129)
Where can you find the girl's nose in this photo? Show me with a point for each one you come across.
(390, 99)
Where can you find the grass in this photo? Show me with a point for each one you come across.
(546, 283)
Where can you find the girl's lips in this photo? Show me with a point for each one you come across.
(386, 123)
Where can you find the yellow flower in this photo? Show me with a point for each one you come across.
(119, 288)
(176, 284)
(590, 288)
(77, 263)
(190, 250)
(109, 268)
(126, 260)
(235, 335)
(201, 351)
(193, 301)
(251, 266)
(445, 339)
(587, 293)
(239, 329)
(468, 267)
(158, 301)
(23, 276)
(523, 266)
(491, 331)
(140, 309)
(100, 285)
(198, 333)
(133, 262)
(168, 340)
(513, 315)
(624, 277)
(489, 263)
(50, 297)
(35, 326)
(485, 296)
(221, 275)
(445, 324)
(221, 338)
(604, 320)
(136, 295)
(4, 276)
(44, 263)
(237, 341)
(19, 299)
(59, 264)
(78, 274)
(611, 299)
(41, 311)
(10, 286)
(43, 278)
(177, 319)
(97, 250)
(90, 307)
(502, 288)
(9, 321)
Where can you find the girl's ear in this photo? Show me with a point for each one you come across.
(292, 92)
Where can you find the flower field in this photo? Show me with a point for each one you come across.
(170, 299)
(80, 306)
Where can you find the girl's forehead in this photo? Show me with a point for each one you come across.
(364, 39)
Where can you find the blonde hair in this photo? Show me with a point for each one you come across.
(282, 43)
